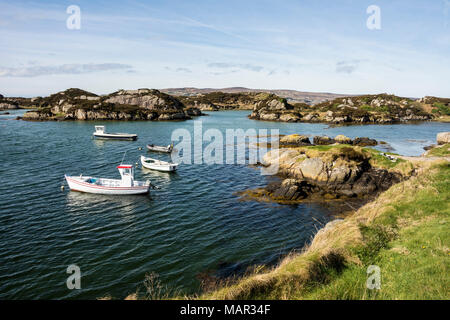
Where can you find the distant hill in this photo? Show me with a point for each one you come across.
(290, 95)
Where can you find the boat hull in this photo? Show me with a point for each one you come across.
(79, 184)
(109, 136)
(164, 167)
(159, 149)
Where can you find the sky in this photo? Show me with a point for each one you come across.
(305, 45)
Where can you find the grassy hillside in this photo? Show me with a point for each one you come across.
(404, 232)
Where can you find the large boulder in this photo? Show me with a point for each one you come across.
(443, 137)
(276, 104)
(311, 117)
(273, 108)
(314, 169)
(268, 116)
(8, 106)
(193, 112)
(80, 114)
(172, 116)
(290, 117)
(295, 139)
(151, 100)
(323, 140)
(288, 190)
(343, 139)
(364, 141)
(32, 115)
(338, 172)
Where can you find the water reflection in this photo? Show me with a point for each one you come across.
(80, 203)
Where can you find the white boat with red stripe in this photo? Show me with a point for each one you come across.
(125, 186)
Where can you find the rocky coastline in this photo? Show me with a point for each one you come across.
(152, 104)
(365, 109)
(141, 104)
(368, 109)
(7, 104)
(343, 168)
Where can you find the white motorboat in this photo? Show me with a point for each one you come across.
(101, 134)
(159, 165)
(167, 149)
(125, 186)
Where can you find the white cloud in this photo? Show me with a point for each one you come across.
(37, 70)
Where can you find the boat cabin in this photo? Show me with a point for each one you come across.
(127, 174)
(99, 129)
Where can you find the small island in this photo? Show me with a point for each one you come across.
(141, 104)
(331, 109)
(366, 109)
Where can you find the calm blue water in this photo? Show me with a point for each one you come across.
(194, 223)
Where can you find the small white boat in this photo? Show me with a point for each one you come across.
(167, 149)
(125, 186)
(159, 165)
(101, 134)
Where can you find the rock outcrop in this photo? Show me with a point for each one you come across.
(443, 138)
(323, 140)
(142, 104)
(439, 107)
(295, 140)
(341, 139)
(379, 109)
(364, 142)
(6, 105)
(273, 108)
(340, 172)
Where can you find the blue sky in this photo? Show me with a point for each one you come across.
(307, 45)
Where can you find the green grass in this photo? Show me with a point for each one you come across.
(358, 154)
(441, 108)
(404, 232)
(442, 151)
(414, 261)
(366, 107)
(379, 161)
